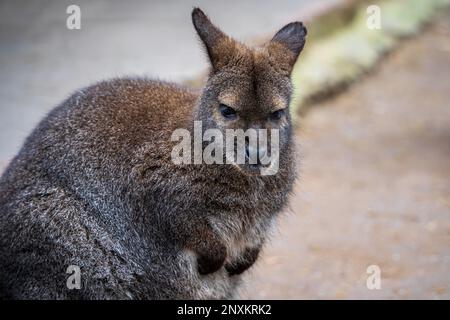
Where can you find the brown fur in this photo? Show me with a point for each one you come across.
(94, 185)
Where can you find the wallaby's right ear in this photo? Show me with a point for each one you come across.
(219, 46)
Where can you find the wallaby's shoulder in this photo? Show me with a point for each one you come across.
(128, 111)
(132, 92)
(141, 87)
(120, 106)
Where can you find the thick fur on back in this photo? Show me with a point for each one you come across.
(94, 186)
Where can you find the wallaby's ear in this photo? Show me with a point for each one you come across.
(218, 45)
(287, 44)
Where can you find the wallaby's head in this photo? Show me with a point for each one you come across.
(248, 88)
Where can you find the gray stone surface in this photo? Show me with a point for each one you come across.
(374, 187)
(42, 62)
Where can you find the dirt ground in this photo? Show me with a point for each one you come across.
(374, 187)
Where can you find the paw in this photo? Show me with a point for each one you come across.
(211, 261)
(248, 259)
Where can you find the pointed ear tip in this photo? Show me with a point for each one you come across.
(294, 30)
(196, 10)
(197, 13)
(303, 28)
(298, 27)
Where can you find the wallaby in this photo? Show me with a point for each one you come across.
(94, 186)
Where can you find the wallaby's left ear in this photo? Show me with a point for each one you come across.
(287, 44)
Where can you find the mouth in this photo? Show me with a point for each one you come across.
(253, 169)
(248, 165)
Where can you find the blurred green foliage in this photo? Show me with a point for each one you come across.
(339, 56)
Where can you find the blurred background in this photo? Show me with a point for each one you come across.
(42, 61)
(372, 109)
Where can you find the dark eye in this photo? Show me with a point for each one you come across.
(227, 111)
(277, 115)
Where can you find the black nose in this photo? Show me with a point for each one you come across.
(253, 154)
